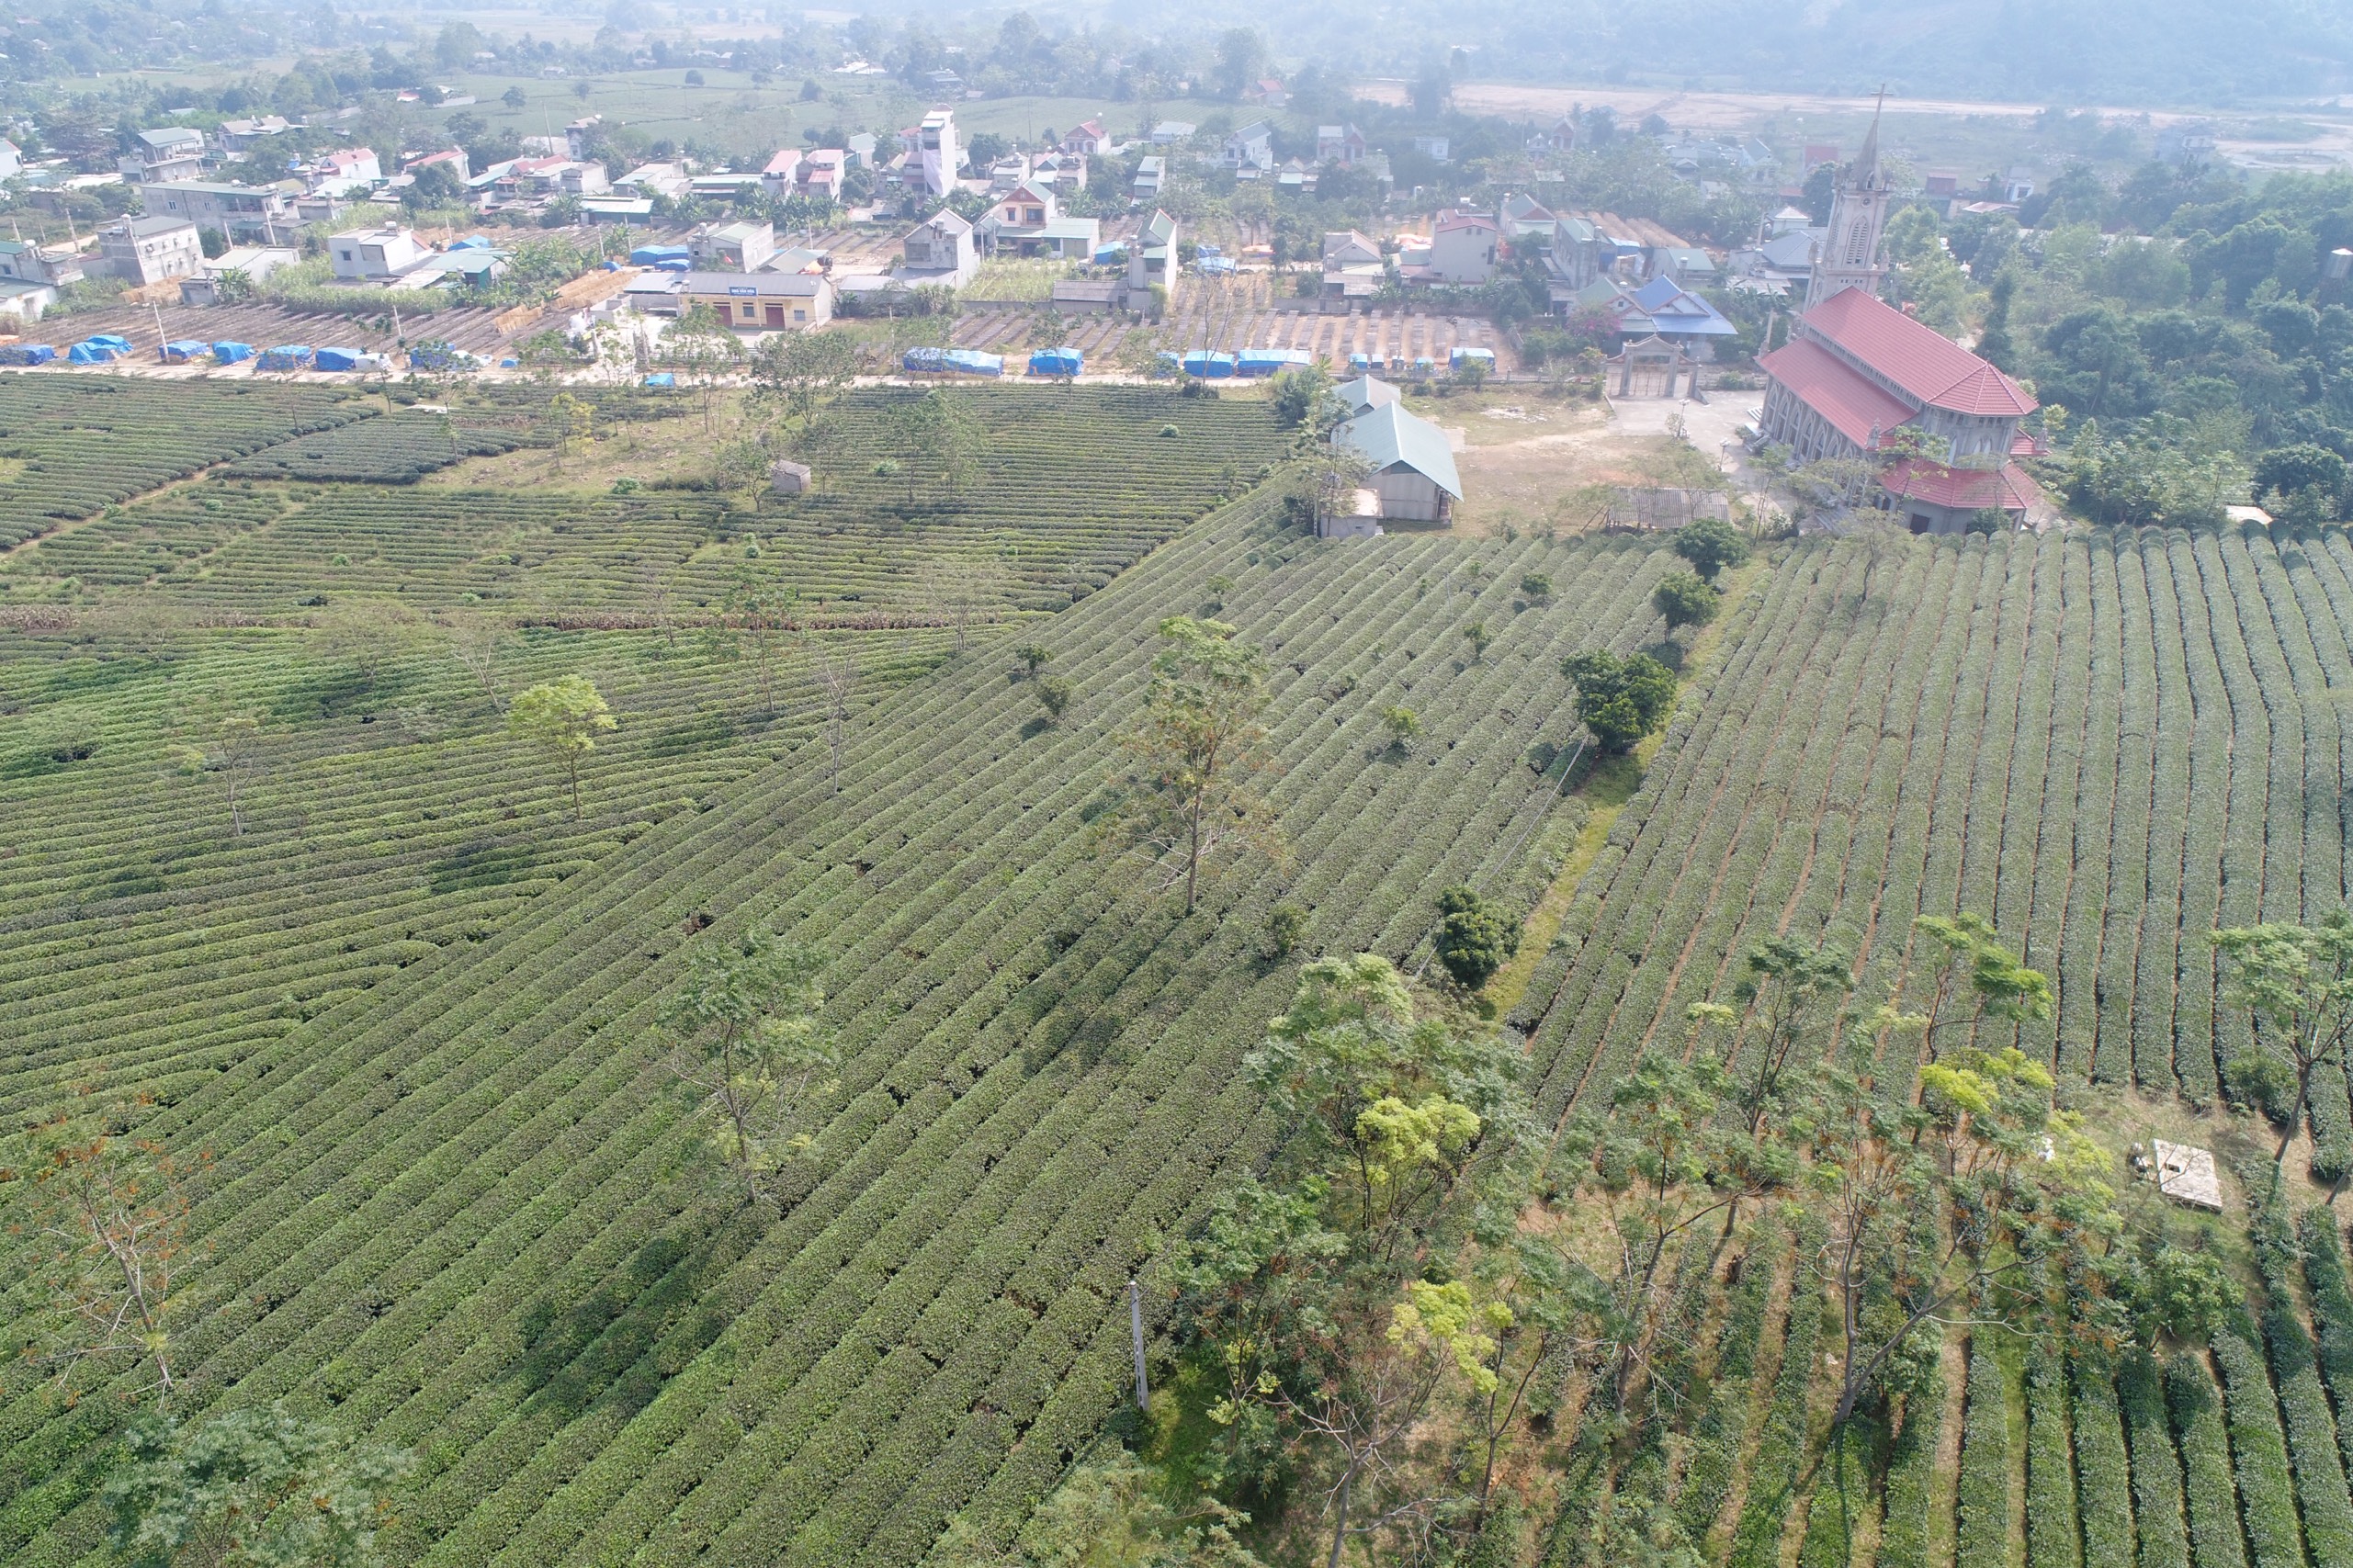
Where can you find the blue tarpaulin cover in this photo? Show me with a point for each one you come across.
(972, 362)
(921, 360)
(1462, 356)
(1359, 362)
(1208, 366)
(286, 356)
(1170, 361)
(661, 379)
(1110, 254)
(337, 359)
(180, 352)
(1055, 362)
(231, 353)
(26, 353)
(1267, 361)
(93, 352)
(655, 256)
(108, 340)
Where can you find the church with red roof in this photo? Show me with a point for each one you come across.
(1860, 378)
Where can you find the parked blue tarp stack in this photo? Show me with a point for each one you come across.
(1213, 266)
(100, 348)
(661, 379)
(232, 353)
(1208, 366)
(1267, 361)
(655, 256)
(26, 353)
(1055, 362)
(286, 356)
(182, 352)
(921, 361)
(1359, 362)
(972, 362)
(440, 356)
(336, 359)
(1105, 254)
(1462, 356)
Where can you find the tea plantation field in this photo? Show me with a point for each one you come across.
(405, 997)
(496, 1255)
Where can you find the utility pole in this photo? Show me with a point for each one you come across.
(1135, 1328)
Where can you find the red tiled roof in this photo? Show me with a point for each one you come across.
(1926, 364)
(1852, 401)
(1914, 478)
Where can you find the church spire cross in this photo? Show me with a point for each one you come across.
(1850, 253)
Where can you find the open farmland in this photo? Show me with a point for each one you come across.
(1040, 1072)
(74, 444)
(406, 997)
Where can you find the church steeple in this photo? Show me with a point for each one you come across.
(1849, 257)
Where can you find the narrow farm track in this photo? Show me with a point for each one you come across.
(454, 1205)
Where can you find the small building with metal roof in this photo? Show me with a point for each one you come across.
(1412, 462)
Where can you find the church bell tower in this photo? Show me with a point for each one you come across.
(1850, 257)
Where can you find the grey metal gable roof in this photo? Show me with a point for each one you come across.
(1388, 436)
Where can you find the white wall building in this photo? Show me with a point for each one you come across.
(375, 253)
(935, 145)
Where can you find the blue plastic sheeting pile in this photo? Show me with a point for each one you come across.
(1359, 362)
(1463, 356)
(1104, 253)
(440, 357)
(182, 352)
(1055, 362)
(93, 352)
(952, 362)
(26, 353)
(337, 359)
(232, 353)
(655, 256)
(286, 356)
(1267, 361)
(661, 379)
(1207, 365)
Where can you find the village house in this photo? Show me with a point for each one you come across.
(1249, 151)
(781, 175)
(345, 170)
(733, 247)
(1151, 173)
(763, 302)
(1341, 144)
(658, 179)
(936, 151)
(50, 265)
(1660, 309)
(452, 159)
(1464, 249)
(1086, 140)
(170, 152)
(243, 136)
(12, 159)
(1169, 132)
(939, 250)
(263, 213)
(142, 251)
(249, 264)
(1152, 257)
(821, 172)
(375, 254)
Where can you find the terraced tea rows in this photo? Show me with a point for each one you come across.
(604, 1364)
(397, 450)
(2110, 743)
(76, 443)
(145, 943)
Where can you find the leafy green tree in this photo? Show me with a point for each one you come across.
(1686, 599)
(1479, 638)
(1709, 544)
(1983, 1194)
(250, 1488)
(1303, 398)
(1311, 1298)
(1475, 938)
(800, 370)
(1404, 726)
(1034, 657)
(563, 719)
(2287, 471)
(1286, 923)
(1788, 996)
(744, 1032)
(1619, 700)
(1054, 694)
(937, 438)
(1111, 1513)
(1192, 752)
(2297, 983)
(1972, 979)
(1537, 586)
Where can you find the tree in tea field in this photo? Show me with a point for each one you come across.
(1709, 544)
(250, 1488)
(1054, 694)
(1191, 753)
(1981, 1200)
(744, 1032)
(1320, 1330)
(562, 718)
(2297, 981)
(1619, 700)
(801, 369)
(1686, 599)
(226, 741)
(110, 1211)
(1475, 938)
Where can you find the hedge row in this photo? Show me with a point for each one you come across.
(1983, 1504)
(2157, 1468)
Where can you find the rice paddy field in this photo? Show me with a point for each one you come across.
(404, 994)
